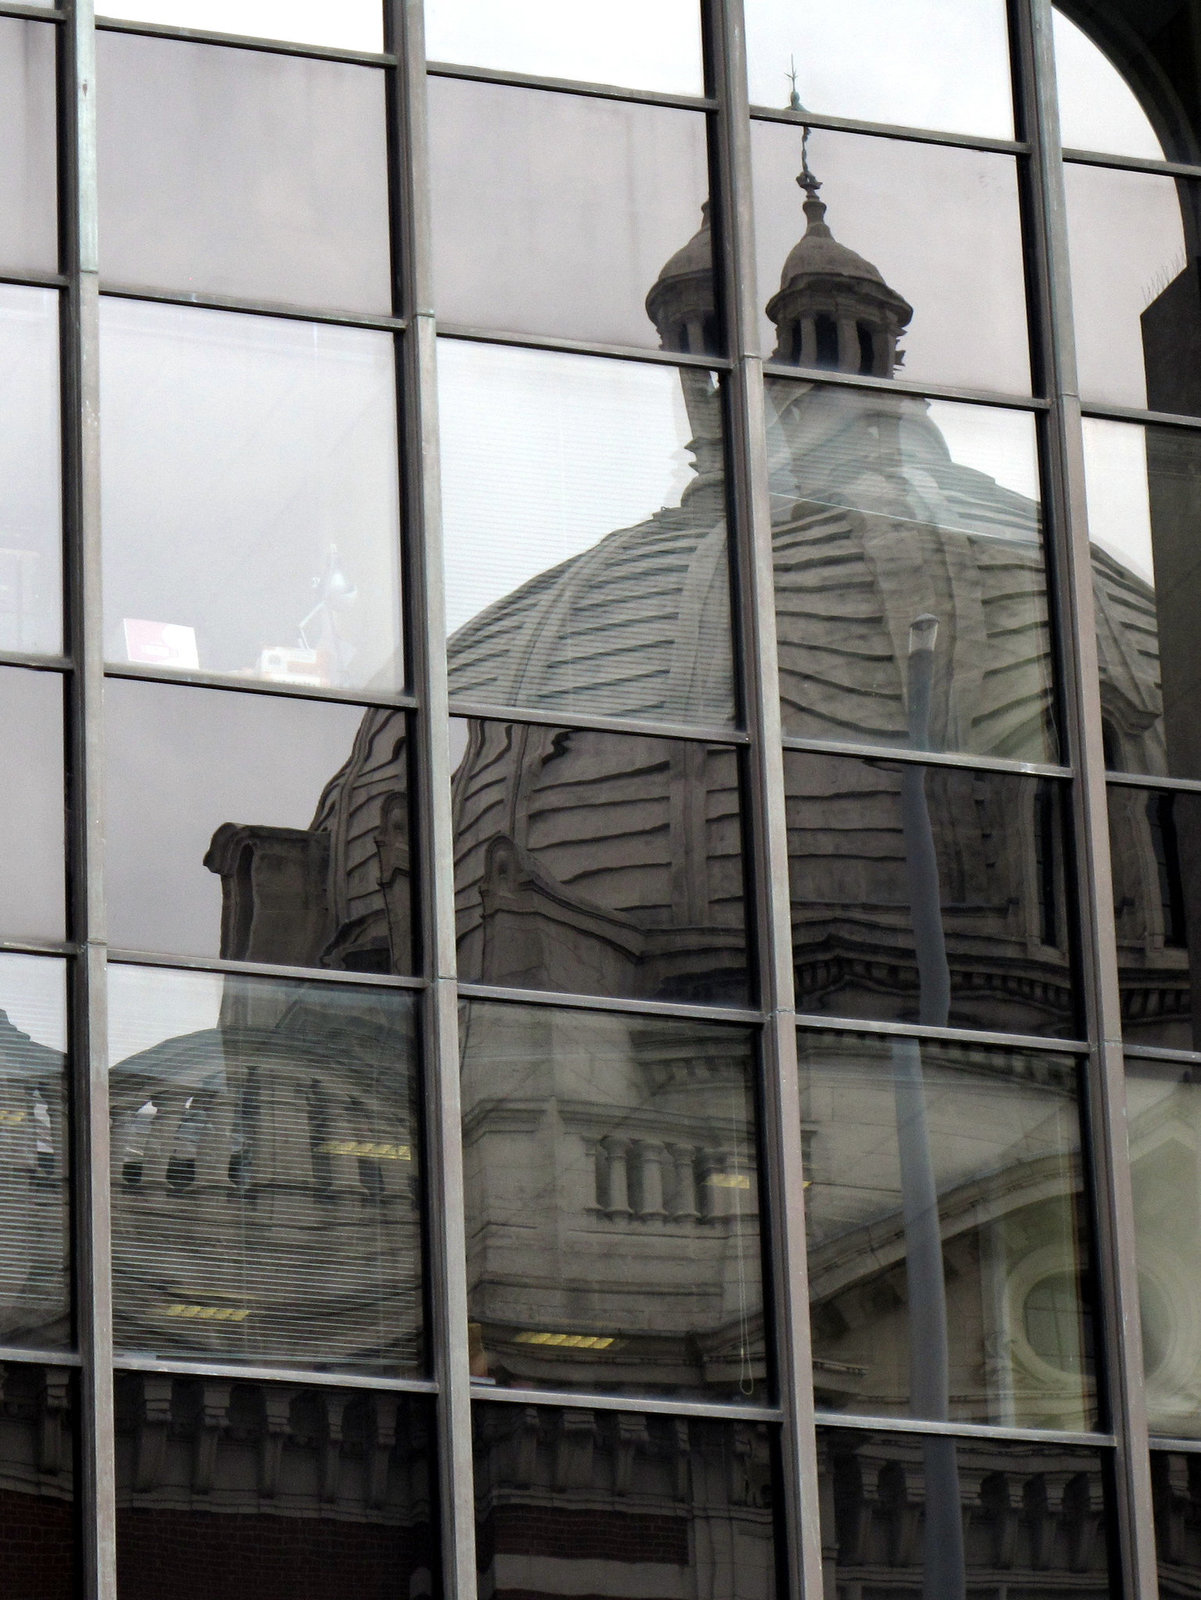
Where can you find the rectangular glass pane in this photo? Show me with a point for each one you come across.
(1176, 1491)
(909, 242)
(929, 894)
(555, 213)
(586, 559)
(242, 172)
(948, 1247)
(35, 1296)
(885, 61)
(266, 1159)
(30, 472)
(38, 1555)
(913, 1515)
(612, 1202)
(258, 1490)
(891, 513)
(586, 1503)
(339, 24)
(258, 828)
(1127, 81)
(32, 890)
(28, 174)
(598, 863)
(601, 41)
(250, 496)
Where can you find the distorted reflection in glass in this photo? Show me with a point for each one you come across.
(38, 1551)
(600, 41)
(1137, 309)
(28, 175)
(586, 557)
(257, 1490)
(886, 509)
(243, 172)
(348, 25)
(34, 1155)
(30, 472)
(257, 828)
(598, 863)
(265, 1154)
(32, 890)
(944, 1210)
(612, 1202)
(903, 233)
(1155, 850)
(552, 213)
(250, 496)
(585, 1502)
(931, 894)
(909, 1516)
(913, 72)
(1176, 1501)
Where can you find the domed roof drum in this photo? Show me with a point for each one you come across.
(819, 261)
(681, 302)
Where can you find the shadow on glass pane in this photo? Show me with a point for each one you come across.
(586, 554)
(28, 174)
(598, 863)
(912, 73)
(1176, 1498)
(584, 1502)
(908, 242)
(32, 895)
(348, 25)
(250, 496)
(554, 213)
(890, 512)
(265, 1170)
(612, 1202)
(34, 1156)
(38, 1550)
(910, 1516)
(30, 472)
(946, 1228)
(286, 1489)
(623, 42)
(243, 172)
(257, 828)
(929, 894)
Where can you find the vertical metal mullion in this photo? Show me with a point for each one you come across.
(81, 443)
(752, 531)
(446, 1230)
(1109, 1151)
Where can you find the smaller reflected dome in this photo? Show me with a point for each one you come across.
(681, 302)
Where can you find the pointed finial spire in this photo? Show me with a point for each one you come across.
(794, 99)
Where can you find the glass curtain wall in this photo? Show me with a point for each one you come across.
(595, 981)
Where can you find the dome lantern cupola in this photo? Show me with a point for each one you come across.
(681, 303)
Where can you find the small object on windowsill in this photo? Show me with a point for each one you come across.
(161, 644)
(295, 664)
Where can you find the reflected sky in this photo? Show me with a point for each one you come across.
(341, 24)
(1097, 108)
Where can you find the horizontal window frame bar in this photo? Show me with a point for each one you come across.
(1087, 1440)
(500, 994)
(372, 321)
(890, 130)
(926, 758)
(33, 1356)
(55, 949)
(28, 662)
(33, 278)
(656, 1405)
(918, 391)
(129, 1361)
(218, 966)
(475, 710)
(1178, 1446)
(555, 345)
(1103, 158)
(33, 13)
(243, 41)
(576, 86)
(1161, 1054)
(988, 1038)
(1148, 780)
(134, 672)
(1103, 412)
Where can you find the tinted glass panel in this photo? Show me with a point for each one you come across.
(28, 181)
(889, 511)
(919, 255)
(31, 805)
(348, 25)
(37, 1483)
(924, 1516)
(886, 61)
(251, 511)
(587, 1502)
(598, 863)
(928, 894)
(257, 828)
(945, 1220)
(253, 1490)
(585, 535)
(605, 41)
(1176, 1487)
(265, 1170)
(612, 1202)
(242, 172)
(1155, 848)
(30, 472)
(555, 213)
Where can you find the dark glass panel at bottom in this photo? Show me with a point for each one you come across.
(257, 1491)
(1176, 1497)
(37, 1483)
(577, 1502)
(912, 1515)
